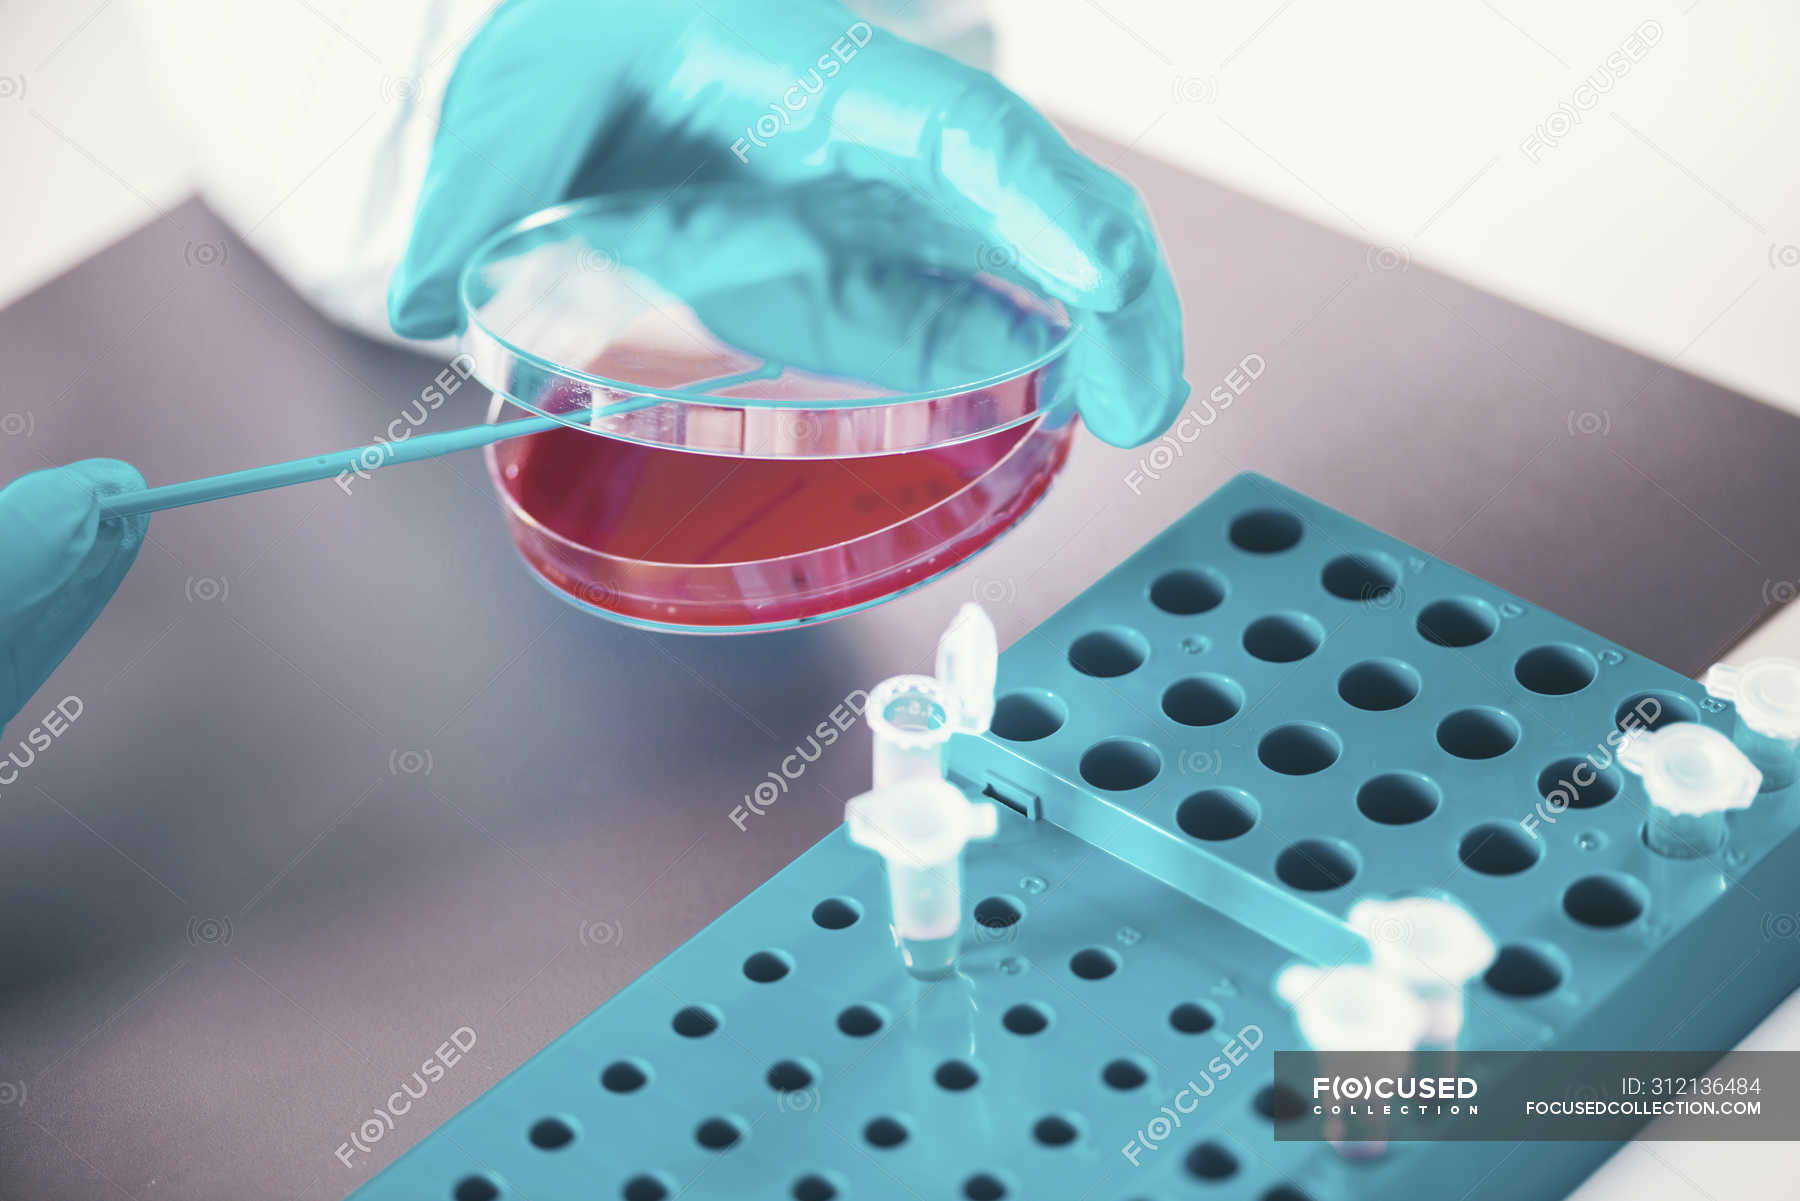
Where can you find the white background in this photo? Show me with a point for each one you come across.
(1666, 218)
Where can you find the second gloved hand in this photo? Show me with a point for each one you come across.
(63, 562)
(555, 99)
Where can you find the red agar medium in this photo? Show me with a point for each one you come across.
(671, 537)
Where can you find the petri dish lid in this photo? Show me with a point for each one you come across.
(830, 321)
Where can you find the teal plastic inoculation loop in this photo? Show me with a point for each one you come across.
(1268, 714)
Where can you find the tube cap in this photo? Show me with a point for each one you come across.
(1691, 770)
(918, 822)
(968, 661)
(1352, 1007)
(1424, 940)
(1766, 691)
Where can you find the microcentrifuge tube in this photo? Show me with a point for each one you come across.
(1349, 1008)
(1694, 776)
(914, 716)
(919, 826)
(1434, 947)
(1767, 695)
(912, 816)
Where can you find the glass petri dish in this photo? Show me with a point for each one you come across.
(749, 411)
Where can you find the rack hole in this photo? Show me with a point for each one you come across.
(814, 1188)
(1498, 849)
(1191, 1017)
(998, 913)
(697, 1021)
(836, 913)
(1125, 1074)
(1479, 733)
(1188, 591)
(1299, 749)
(1605, 901)
(1378, 685)
(719, 1134)
(1577, 784)
(1458, 621)
(1218, 814)
(1212, 1160)
(625, 1076)
(1120, 764)
(1399, 798)
(1094, 963)
(1283, 637)
(1556, 670)
(860, 1021)
(1317, 864)
(1028, 715)
(1203, 700)
(885, 1132)
(1363, 576)
(1526, 970)
(790, 1076)
(1279, 1103)
(1286, 1192)
(1027, 1017)
(551, 1134)
(1055, 1131)
(984, 1186)
(1654, 710)
(1110, 652)
(956, 1075)
(1265, 531)
(766, 967)
(644, 1188)
(475, 1188)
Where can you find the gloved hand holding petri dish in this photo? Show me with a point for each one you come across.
(768, 415)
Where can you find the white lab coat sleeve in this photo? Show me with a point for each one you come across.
(308, 127)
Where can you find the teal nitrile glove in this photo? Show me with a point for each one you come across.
(62, 564)
(555, 99)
